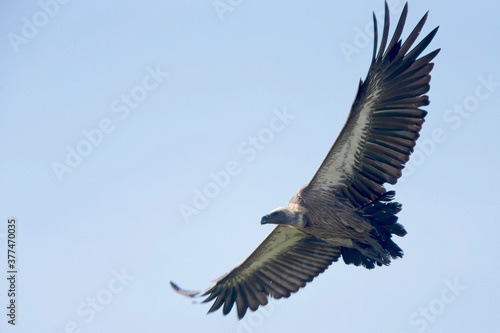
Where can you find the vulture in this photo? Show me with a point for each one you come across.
(345, 210)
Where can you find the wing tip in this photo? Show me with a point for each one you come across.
(184, 292)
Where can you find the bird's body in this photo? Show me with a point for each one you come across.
(344, 211)
(330, 216)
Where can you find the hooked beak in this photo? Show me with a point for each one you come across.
(264, 219)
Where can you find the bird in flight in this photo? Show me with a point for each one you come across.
(344, 211)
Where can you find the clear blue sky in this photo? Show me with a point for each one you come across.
(115, 116)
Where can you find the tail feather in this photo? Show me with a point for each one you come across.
(382, 215)
(354, 256)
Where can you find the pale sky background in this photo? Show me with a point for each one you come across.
(98, 244)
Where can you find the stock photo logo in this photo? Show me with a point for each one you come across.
(422, 318)
(222, 7)
(121, 107)
(363, 36)
(31, 26)
(247, 150)
(90, 308)
(454, 117)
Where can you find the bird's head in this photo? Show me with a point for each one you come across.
(282, 216)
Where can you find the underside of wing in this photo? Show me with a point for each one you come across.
(282, 264)
(385, 118)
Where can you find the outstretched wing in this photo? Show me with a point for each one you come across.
(385, 118)
(282, 264)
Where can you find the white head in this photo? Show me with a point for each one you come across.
(283, 215)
